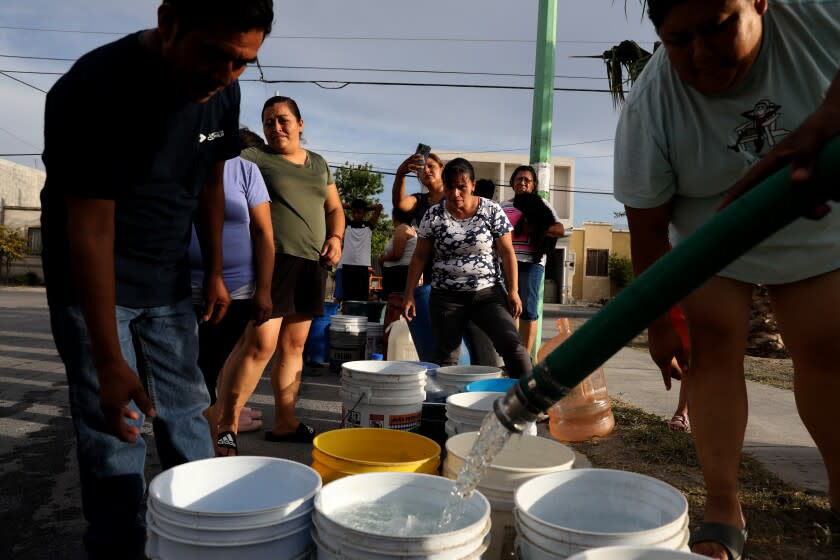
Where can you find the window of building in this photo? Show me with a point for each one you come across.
(597, 262)
(33, 240)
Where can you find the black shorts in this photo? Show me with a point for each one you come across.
(297, 286)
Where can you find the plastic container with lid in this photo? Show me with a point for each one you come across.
(587, 410)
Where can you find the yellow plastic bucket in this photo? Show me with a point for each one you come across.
(340, 453)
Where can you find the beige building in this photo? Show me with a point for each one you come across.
(591, 247)
(498, 168)
(20, 209)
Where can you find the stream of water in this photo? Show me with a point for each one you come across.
(491, 438)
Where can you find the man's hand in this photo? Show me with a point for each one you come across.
(667, 351)
(118, 385)
(216, 299)
(799, 149)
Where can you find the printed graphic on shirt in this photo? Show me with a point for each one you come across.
(760, 131)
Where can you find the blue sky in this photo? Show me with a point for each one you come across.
(365, 123)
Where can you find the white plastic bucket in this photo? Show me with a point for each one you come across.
(347, 340)
(227, 506)
(633, 553)
(454, 379)
(521, 459)
(420, 492)
(382, 394)
(566, 512)
(375, 332)
(465, 412)
(353, 324)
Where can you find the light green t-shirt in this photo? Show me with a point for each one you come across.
(297, 195)
(673, 142)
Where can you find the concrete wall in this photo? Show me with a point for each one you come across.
(20, 208)
(20, 185)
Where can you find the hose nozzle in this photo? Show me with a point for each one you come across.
(514, 410)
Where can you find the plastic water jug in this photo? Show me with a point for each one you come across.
(400, 343)
(587, 410)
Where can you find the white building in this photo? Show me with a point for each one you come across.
(497, 167)
(20, 208)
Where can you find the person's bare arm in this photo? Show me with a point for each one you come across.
(334, 213)
(648, 243)
(377, 211)
(556, 230)
(504, 247)
(398, 196)
(262, 239)
(211, 217)
(422, 253)
(90, 236)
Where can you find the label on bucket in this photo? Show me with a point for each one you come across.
(403, 422)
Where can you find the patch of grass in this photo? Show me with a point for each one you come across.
(785, 523)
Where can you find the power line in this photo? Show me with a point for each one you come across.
(344, 83)
(38, 57)
(408, 71)
(32, 72)
(466, 151)
(338, 37)
(351, 69)
(21, 81)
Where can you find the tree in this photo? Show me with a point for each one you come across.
(12, 247)
(620, 270)
(360, 181)
(625, 58)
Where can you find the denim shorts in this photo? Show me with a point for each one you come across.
(530, 277)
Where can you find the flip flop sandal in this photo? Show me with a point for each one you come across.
(732, 539)
(227, 441)
(303, 434)
(679, 423)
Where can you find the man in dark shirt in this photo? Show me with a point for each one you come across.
(115, 238)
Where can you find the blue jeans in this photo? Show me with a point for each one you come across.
(161, 345)
(530, 278)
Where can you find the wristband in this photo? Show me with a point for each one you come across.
(340, 239)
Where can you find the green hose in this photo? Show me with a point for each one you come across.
(750, 219)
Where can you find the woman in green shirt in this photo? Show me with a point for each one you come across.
(308, 223)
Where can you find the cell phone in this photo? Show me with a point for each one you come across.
(423, 150)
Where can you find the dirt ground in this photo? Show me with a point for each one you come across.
(777, 372)
(785, 523)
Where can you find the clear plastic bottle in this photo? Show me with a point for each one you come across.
(587, 410)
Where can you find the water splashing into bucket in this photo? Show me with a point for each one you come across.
(491, 438)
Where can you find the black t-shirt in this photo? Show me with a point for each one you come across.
(114, 129)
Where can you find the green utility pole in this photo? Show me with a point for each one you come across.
(542, 115)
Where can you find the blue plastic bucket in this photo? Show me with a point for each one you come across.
(500, 385)
(317, 349)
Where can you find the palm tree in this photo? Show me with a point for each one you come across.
(625, 58)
